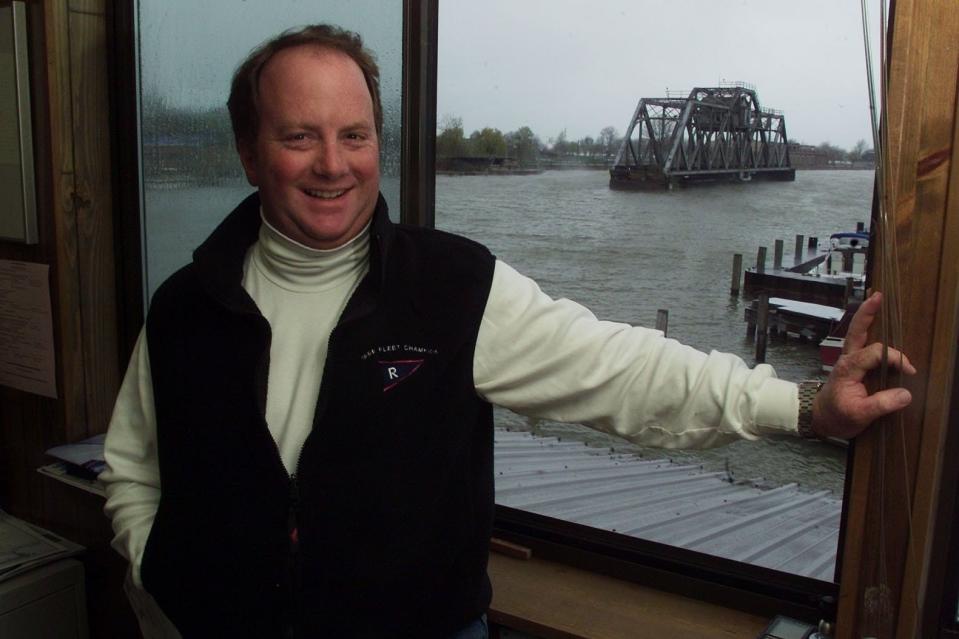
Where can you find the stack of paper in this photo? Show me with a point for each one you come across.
(24, 546)
(79, 464)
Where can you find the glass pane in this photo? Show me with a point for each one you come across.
(533, 100)
(188, 51)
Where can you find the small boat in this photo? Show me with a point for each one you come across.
(857, 241)
(830, 348)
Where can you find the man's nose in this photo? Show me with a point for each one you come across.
(329, 161)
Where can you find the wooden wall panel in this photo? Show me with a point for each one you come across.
(94, 213)
(62, 215)
(932, 457)
(29, 424)
(896, 464)
(69, 46)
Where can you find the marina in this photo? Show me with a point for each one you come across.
(833, 277)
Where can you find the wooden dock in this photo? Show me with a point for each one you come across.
(814, 277)
(828, 290)
(805, 320)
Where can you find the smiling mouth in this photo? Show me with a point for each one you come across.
(324, 195)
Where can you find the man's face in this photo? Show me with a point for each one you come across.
(315, 159)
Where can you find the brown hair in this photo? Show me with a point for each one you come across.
(245, 88)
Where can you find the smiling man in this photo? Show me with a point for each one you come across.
(302, 445)
(315, 152)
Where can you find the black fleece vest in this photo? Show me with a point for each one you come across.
(384, 530)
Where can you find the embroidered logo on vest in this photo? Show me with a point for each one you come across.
(397, 371)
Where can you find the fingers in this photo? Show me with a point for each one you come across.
(855, 365)
(859, 325)
(883, 402)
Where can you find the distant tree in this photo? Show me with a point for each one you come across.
(608, 141)
(588, 146)
(524, 146)
(450, 142)
(487, 143)
(831, 152)
(857, 150)
(561, 143)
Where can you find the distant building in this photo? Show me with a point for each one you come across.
(807, 156)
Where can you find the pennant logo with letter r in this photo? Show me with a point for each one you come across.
(397, 371)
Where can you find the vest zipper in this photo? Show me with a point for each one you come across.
(294, 568)
(291, 517)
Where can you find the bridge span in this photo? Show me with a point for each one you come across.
(715, 133)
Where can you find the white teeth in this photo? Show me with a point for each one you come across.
(324, 195)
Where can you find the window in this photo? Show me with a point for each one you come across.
(191, 177)
(532, 100)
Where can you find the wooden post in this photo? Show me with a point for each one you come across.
(737, 273)
(797, 252)
(762, 327)
(847, 261)
(662, 320)
(751, 319)
(813, 245)
(778, 255)
(860, 227)
(761, 260)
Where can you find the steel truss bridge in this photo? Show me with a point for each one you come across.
(717, 133)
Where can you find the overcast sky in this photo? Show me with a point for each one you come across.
(581, 65)
(552, 64)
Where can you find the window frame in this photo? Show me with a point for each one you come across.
(678, 570)
(943, 610)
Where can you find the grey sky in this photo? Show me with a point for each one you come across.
(582, 65)
(552, 65)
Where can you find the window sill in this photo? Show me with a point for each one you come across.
(551, 600)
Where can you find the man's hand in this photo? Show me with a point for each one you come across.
(843, 407)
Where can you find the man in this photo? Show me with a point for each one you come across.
(302, 445)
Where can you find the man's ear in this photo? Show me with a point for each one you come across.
(247, 154)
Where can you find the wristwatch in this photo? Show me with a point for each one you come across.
(807, 393)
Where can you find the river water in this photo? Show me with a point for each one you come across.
(627, 254)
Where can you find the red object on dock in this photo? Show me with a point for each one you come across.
(829, 351)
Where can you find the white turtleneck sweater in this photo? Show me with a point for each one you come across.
(291, 282)
(540, 357)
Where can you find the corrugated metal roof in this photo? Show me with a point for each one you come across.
(682, 505)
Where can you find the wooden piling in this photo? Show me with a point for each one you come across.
(778, 255)
(751, 320)
(737, 273)
(847, 261)
(797, 252)
(860, 227)
(762, 327)
(761, 260)
(813, 245)
(662, 320)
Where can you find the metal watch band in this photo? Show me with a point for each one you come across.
(807, 393)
